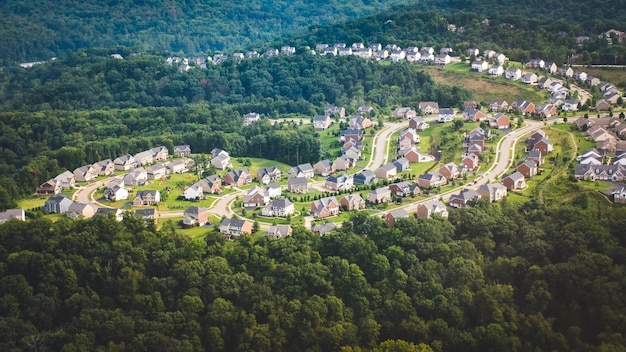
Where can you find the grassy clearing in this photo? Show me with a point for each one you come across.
(616, 76)
(484, 88)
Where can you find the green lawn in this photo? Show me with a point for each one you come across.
(32, 202)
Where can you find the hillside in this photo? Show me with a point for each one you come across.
(44, 29)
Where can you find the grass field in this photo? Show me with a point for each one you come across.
(484, 88)
(616, 76)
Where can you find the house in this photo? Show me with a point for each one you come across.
(194, 192)
(498, 106)
(325, 207)
(570, 105)
(501, 121)
(250, 118)
(148, 197)
(551, 67)
(397, 55)
(543, 145)
(159, 153)
(417, 123)
(580, 76)
(365, 177)
(221, 161)
(343, 163)
(529, 78)
(273, 190)
(414, 156)
(535, 156)
(523, 107)
(474, 139)
(387, 171)
(411, 134)
(49, 187)
(536, 63)
(10, 214)
(297, 185)
(115, 191)
(460, 200)
(470, 161)
(352, 202)
(474, 149)
(402, 164)
(104, 167)
(351, 134)
(335, 111)
(182, 151)
(613, 173)
(278, 231)
(324, 167)
(365, 109)
(431, 179)
(323, 229)
(442, 60)
(472, 52)
(544, 82)
(480, 66)
(235, 227)
(492, 191)
(379, 195)
(238, 177)
(302, 170)
(117, 214)
(592, 81)
(147, 214)
(155, 172)
(404, 189)
(514, 181)
(217, 152)
(80, 210)
(446, 115)
(603, 105)
(360, 123)
(268, 174)
(390, 217)
(279, 207)
(136, 177)
(429, 107)
(85, 173)
(57, 205)
(176, 167)
(545, 110)
(210, 184)
(495, 70)
(527, 168)
(451, 171)
(321, 122)
(428, 209)
(342, 182)
(499, 58)
(144, 158)
(404, 113)
(566, 71)
(125, 163)
(619, 195)
(255, 197)
(473, 115)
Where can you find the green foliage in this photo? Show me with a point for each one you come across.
(490, 278)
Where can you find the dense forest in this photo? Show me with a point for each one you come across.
(490, 278)
(32, 31)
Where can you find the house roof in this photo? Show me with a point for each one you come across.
(281, 203)
(325, 228)
(297, 181)
(514, 176)
(399, 213)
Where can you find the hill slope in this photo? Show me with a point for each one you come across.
(43, 29)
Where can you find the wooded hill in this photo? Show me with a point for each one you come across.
(32, 31)
(489, 278)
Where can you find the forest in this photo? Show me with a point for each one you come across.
(33, 31)
(503, 277)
